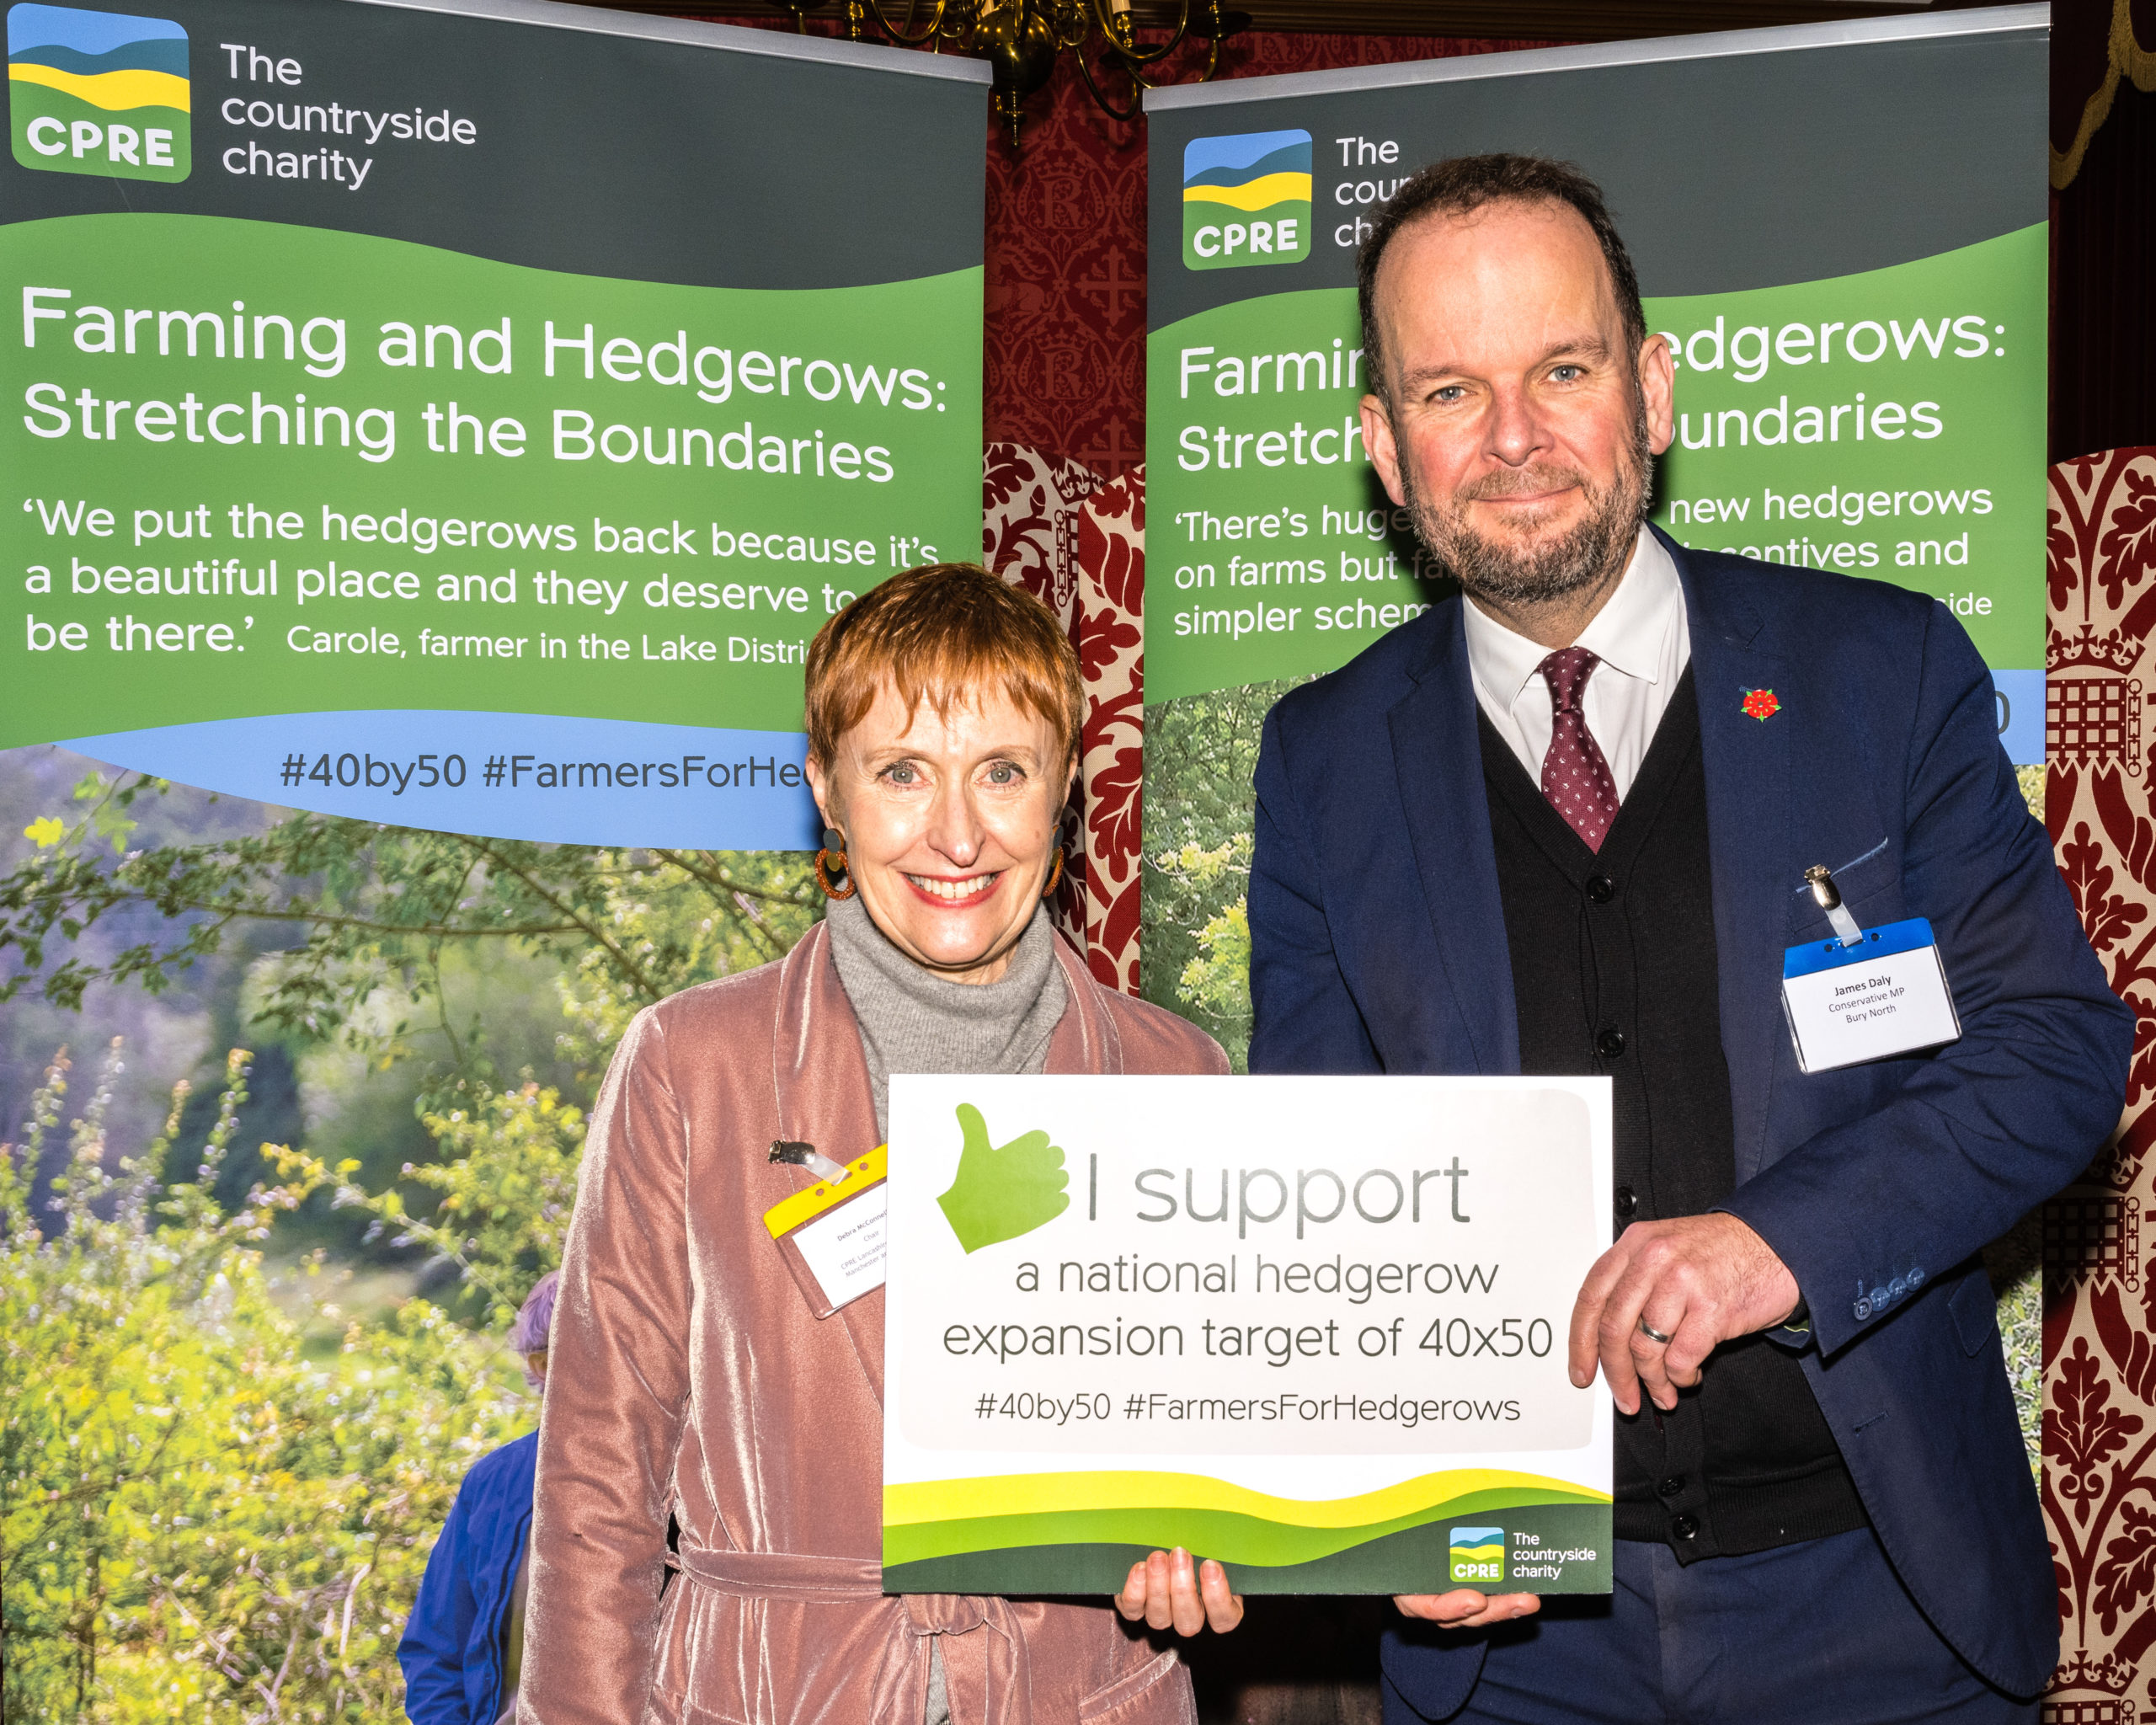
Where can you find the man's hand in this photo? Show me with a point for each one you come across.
(1701, 1281)
(1463, 1608)
(1168, 1590)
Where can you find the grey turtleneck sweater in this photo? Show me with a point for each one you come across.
(915, 1021)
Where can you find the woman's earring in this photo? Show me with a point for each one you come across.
(832, 858)
(1054, 875)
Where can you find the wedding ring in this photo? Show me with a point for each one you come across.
(1651, 1333)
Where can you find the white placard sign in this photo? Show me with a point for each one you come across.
(1314, 1327)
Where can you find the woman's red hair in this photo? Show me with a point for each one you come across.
(942, 633)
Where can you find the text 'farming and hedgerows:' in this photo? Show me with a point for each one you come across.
(97, 391)
(391, 475)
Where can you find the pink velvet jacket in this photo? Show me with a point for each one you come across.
(688, 1375)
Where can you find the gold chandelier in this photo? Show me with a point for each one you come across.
(1021, 39)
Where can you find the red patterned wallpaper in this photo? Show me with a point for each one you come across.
(2099, 1305)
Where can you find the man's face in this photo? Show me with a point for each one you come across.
(1521, 429)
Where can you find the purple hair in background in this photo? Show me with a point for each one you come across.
(528, 1334)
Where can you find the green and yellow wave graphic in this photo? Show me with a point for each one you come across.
(1253, 196)
(115, 92)
(1047, 1525)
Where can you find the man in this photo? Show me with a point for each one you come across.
(1545, 828)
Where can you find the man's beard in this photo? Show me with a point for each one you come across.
(1506, 574)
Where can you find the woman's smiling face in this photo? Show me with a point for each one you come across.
(950, 822)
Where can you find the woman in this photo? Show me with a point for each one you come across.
(943, 711)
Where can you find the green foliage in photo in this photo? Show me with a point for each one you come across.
(1201, 752)
(373, 911)
(198, 1519)
(440, 994)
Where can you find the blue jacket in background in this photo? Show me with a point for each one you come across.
(452, 1647)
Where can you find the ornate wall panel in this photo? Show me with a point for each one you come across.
(1112, 562)
(1079, 543)
(2099, 1473)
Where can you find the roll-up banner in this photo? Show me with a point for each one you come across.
(1840, 228)
(463, 415)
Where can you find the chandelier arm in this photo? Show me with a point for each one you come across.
(1122, 115)
(903, 37)
(1130, 51)
(1070, 23)
(1212, 58)
(1212, 65)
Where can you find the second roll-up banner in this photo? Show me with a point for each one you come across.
(463, 416)
(1840, 228)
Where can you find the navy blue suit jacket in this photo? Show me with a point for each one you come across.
(1377, 945)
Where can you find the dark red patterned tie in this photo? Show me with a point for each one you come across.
(1576, 776)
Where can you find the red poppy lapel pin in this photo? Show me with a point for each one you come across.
(1761, 704)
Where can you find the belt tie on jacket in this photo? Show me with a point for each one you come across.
(985, 1674)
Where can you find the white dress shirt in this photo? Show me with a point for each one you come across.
(1641, 638)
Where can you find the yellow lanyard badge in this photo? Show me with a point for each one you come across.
(834, 1235)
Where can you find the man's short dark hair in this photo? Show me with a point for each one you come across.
(1462, 185)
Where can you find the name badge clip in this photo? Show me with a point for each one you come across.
(1824, 893)
(807, 1155)
(1867, 994)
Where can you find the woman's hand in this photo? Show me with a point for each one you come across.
(1170, 1590)
(1463, 1608)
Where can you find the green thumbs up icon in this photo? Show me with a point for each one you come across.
(1000, 1194)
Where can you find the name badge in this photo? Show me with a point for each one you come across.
(1883, 994)
(835, 1235)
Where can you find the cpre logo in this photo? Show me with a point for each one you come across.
(1478, 1554)
(1246, 199)
(100, 93)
